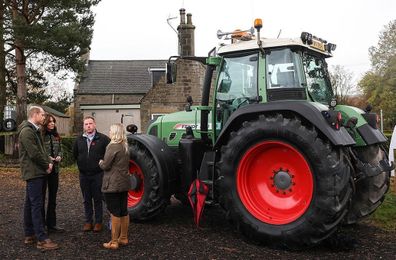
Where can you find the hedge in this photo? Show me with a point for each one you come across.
(67, 151)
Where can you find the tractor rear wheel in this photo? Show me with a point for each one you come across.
(370, 191)
(147, 200)
(281, 183)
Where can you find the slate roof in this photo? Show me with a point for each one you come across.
(54, 112)
(118, 76)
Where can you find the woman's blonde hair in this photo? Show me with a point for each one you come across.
(118, 136)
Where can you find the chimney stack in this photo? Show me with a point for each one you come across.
(186, 35)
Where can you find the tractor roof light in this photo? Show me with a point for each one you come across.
(317, 43)
(258, 24)
(333, 47)
(307, 38)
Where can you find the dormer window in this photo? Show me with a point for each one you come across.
(156, 74)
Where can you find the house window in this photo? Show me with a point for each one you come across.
(156, 74)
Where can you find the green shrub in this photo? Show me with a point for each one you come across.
(67, 151)
(389, 136)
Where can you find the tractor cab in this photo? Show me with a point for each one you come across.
(282, 69)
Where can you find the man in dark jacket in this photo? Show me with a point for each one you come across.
(35, 166)
(88, 149)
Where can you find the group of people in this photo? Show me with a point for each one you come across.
(103, 164)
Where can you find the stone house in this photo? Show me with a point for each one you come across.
(111, 91)
(135, 91)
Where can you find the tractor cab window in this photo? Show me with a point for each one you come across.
(318, 82)
(237, 85)
(284, 69)
(238, 80)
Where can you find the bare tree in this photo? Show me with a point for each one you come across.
(341, 81)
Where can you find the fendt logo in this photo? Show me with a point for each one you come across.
(183, 126)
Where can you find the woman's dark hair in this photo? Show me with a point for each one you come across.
(47, 120)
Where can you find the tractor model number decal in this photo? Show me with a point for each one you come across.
(318, 45)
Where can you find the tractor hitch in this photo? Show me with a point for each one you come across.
(368, 170)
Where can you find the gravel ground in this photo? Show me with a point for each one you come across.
(172, 235)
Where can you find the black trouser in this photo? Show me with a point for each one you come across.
(117, 203)
(53, 184)
(33, 217)
(91, 188)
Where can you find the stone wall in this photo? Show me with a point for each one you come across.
(167, 98)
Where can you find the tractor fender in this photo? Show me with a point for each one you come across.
(308, 110)
(162, 155)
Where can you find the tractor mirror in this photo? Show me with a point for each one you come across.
(170, 72)
(225, 86)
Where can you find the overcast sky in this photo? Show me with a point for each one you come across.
(127, 29)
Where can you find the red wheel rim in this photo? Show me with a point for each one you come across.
(274, 182)
(134, 196)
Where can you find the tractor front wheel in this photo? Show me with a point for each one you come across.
(281, 183)
(148, 199)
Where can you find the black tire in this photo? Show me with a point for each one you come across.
(153, 199)
(329, 172)
(370, 192)
(9, 125)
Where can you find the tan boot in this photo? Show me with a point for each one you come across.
(123, 240)
(115, 233)
(47, 245)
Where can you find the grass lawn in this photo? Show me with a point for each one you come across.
(385, 215)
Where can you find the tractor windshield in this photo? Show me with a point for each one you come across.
(318, 82)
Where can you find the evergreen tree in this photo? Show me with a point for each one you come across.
(54, 33)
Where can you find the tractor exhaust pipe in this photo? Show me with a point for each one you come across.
(205, 101)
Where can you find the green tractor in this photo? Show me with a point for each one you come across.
(287, 164)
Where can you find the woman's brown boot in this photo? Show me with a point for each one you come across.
(123, 240)
(115, 233)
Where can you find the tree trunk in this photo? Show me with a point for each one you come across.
(2, 62)
(21, 106)
(20, 60)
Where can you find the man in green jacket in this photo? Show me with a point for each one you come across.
(35, 166)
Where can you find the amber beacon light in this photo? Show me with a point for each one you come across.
(258, 24)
